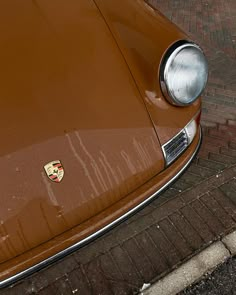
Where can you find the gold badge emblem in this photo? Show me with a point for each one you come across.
(54, 170)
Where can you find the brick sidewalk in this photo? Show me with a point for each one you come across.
(198, 209)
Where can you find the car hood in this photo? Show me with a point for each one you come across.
(66, 94)
(143, 36)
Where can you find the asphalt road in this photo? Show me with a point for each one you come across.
(221, 282)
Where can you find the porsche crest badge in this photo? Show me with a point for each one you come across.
(54, 171)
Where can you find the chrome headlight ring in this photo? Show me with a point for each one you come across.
(183, 73)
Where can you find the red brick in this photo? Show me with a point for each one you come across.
(78, 281)
(111, 272)
(223, 135)
(98, 282)
(232, 123)
(188, 232)
(181, 185)
(221, 114)
(191, 178)
(216, 166)
(127, 268)
(217, 210)
(167, 208)
(217, 142)
(167, 249)
(155, 256)
(23, 287)
(230, 130)
(227, 160)
(209, 147)
(228, 152)
(50, 290)
(62, 286)
(227, 203)
(139, 259)
(229, 190)
(232, 145)
(213, 119)
(208, 217)
(203, 153)
(201, 171)
(175, 237)
(197, 223)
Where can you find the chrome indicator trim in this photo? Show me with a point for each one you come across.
(69, 250)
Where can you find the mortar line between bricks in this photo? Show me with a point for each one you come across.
(106, 281)
(87, 279)
(210, 193)
(223, 177)
(179, 232)
(131, 260)
(159, 248)
(117, 268)
(186, 218)
(124, 278)
(143, 253)
(191, 205)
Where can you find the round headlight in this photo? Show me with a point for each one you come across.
(184, 74)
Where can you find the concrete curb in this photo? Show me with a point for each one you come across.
(230, 242)
(192, 270)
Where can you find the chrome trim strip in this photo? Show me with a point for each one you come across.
(76, 246)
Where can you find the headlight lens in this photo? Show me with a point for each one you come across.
(184, 74)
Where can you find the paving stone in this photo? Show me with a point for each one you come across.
(21, 288)
(227, 160)
(167, 208)
(50, 290)
(225, 202)
(229, 189)
(112, 274)
(201, 171)
(127, 268)
(217, 210)
(99, 284)
(53, 272)
(228, 152)
(181, 185)
(198, 224)
(139, 259)
(222, 134)
(191, 178)
(78, 282)
(90, 252)
(209, 218)
(212, 165)
(62, 286)
(188, 232)
(175, 237)
(149, 248)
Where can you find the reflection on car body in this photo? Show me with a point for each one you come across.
(100, 113)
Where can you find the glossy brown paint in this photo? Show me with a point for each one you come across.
(144, 35)
(68, 94)
(81, 231)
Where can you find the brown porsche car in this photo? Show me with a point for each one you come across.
(100, 112)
